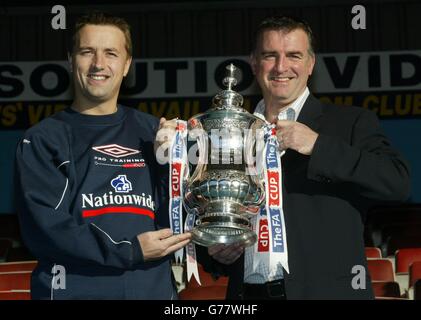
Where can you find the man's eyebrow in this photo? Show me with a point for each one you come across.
(92, 48)
(85, 48)
(295, 52)
(267, 52)
(111, 49)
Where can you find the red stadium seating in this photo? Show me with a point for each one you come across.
(15, 295)
(18, 266)
(373, 252)
(381, 270)
(386, 289)
(414, 273)
(18, 280)
(210, 289)
(405, 257)
(203, 293)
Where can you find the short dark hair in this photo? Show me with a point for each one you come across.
(101, 19)
(284, 23)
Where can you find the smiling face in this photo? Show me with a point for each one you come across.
(99, 63)
(282, 64)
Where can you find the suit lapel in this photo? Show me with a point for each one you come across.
(310, 116)
(311, 112)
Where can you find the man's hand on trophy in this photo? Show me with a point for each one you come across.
(296, 136)
(164, 136)
(226, 254)
(158, 244)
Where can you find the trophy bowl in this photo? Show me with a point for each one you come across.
(225, 189)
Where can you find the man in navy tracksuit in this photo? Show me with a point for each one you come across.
(91, 197)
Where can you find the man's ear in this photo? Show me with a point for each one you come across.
(127, 66)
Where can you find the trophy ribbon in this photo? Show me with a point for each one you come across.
(191, 251)
(261, 247)
(278, 251)
(178, 160)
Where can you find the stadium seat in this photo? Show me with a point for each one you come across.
(18, 266)
(210, 288)
(405, 257)
(15, 295)
(18, 280)
(203, 293)
(381, 270)
(373, 252)
(386, 289)
(414, 273)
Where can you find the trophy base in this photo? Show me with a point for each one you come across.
(218, 228)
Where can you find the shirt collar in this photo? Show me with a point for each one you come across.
(297, 105)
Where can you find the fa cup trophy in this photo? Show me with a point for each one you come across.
(225, 188)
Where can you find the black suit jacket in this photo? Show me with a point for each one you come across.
(326, 196)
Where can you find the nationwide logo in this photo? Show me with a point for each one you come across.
(110, 203)
(121, 184)
(116, 150)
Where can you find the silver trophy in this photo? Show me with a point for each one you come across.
(225, 189)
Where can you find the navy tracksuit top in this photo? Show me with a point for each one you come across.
(86, 187)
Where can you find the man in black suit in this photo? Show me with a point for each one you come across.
(337, 164)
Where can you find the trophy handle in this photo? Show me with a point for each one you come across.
(200, 138)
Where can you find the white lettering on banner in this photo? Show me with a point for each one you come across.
(125, 160)
(276, 228)
(334, 72)
(263, 235)
(273, 189)
(91, 201)
(275, 221)
(271, 156)
(175, 179)
(176, 212)
(177, 150)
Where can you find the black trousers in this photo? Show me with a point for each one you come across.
(273, 290)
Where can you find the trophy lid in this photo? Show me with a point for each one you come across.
(228, 99)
